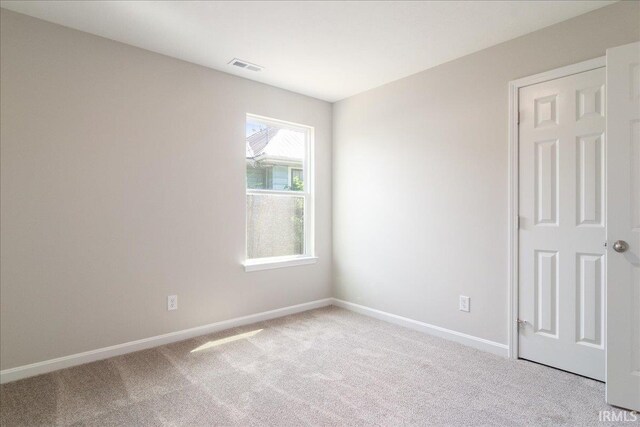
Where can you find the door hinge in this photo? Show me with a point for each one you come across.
(518, 117)
(518, 222)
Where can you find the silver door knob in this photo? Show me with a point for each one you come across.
(620, 246)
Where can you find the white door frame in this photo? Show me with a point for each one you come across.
(512, 278)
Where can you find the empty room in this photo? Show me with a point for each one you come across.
(293, 213)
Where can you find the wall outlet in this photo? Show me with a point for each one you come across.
(465, 303)
(172, 302)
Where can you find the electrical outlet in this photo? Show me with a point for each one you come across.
(465, 303)
(172, 302)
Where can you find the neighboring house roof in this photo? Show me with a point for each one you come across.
(276, 144)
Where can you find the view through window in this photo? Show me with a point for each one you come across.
(278, 191)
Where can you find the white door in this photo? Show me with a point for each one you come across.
(623, 226)
(562, 223)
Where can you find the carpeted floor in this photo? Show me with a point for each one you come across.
(322, 367)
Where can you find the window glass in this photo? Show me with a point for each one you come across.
(275, 226)
(277, 195)
(272, 153)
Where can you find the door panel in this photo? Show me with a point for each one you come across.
(623, 224)
(562, 223)
(590, 180)
(590, 299)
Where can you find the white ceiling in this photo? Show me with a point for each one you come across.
(328, 50)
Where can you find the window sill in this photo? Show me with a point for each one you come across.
(277, 262)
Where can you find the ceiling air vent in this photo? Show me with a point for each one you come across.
(244, 64)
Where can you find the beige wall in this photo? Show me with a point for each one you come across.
(420, 177)
(123, 182)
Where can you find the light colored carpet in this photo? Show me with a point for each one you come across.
(322, 367)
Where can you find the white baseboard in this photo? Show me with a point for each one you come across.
(468, 340)
(38, 368)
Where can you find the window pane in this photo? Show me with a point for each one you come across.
(256, 177)
(297, 180)
(272, 153)
(275, 226)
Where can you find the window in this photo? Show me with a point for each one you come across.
(279, 172)
(296, 177)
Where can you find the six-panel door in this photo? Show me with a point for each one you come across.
(562, 223)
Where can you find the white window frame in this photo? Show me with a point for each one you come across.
(308, 257)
